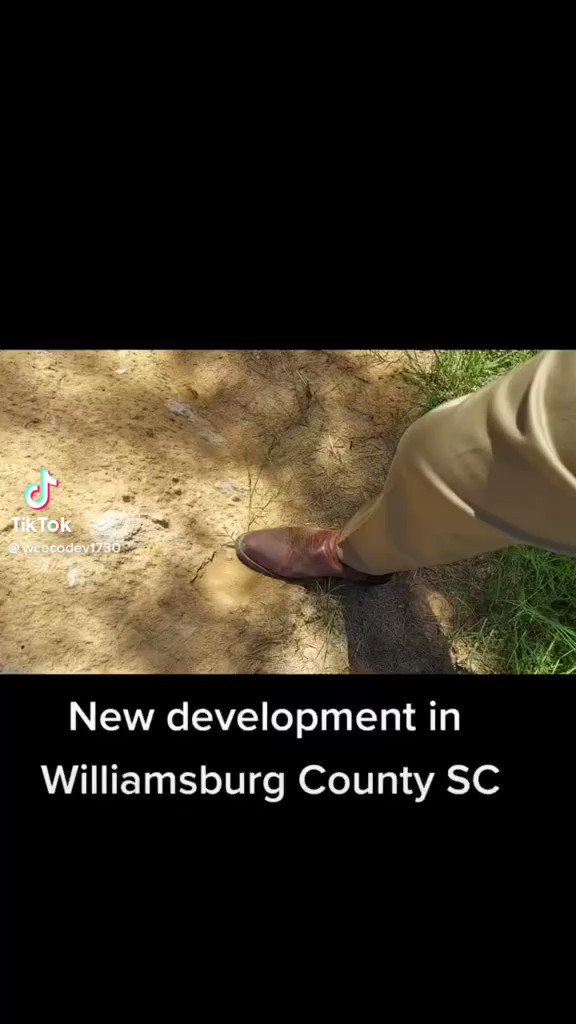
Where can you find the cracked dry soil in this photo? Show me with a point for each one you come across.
(171, 455)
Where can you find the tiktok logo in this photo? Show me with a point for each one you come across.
(38, 495)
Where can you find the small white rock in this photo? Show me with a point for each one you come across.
(179, 408)
(73, 575)
(121, 371)
(116, 528)
(200, 425)
(229, 487)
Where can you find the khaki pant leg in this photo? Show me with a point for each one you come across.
(495, 468)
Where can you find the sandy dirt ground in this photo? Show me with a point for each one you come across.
(171, 455)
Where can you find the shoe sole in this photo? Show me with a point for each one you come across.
(377, 581)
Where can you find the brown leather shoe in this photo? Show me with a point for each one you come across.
(297, 554)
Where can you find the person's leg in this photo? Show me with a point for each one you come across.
(477, 474)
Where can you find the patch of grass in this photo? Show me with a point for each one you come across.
(515, 610)
(442, 375)
(518, 612)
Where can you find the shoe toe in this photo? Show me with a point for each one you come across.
(259, 548)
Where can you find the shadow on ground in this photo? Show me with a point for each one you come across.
(390, 629)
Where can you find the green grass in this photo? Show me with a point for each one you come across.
(515, 609)
(453, 374)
